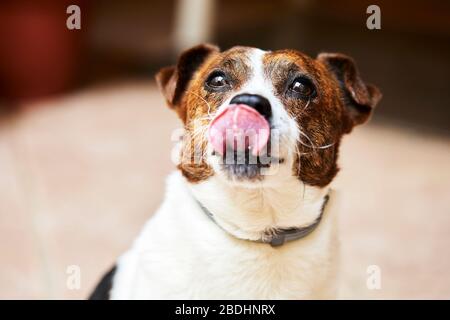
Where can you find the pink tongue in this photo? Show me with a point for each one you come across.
(239, 127)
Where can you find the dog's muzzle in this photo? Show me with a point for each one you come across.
(242, 126)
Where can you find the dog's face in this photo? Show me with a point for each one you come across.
(296, 109)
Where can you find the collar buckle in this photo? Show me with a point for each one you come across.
(277, 240)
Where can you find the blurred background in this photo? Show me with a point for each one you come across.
(85, 137)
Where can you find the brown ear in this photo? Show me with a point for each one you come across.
(173, 81)
(359, 98)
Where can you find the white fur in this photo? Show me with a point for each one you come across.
(182, 254)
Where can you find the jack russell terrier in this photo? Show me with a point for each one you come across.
(249, 214)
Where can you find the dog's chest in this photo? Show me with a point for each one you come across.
(261, 273)
(182, 254)
(222, 268)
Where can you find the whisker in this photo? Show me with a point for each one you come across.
(312, 145)
(203, 99)
(307, 104)
(309, 139)
(326, 146)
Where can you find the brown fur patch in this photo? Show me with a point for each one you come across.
(324, 118)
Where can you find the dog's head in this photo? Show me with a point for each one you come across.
(256, 117)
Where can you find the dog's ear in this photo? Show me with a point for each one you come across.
(360, 98)
(173, 81)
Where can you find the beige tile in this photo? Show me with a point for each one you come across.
(395, 214)
(93, 160)
(22, 267)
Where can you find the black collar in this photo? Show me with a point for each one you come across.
(282, 235)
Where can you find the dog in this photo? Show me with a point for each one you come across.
(231, 228)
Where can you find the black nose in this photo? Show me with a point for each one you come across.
(259, 103)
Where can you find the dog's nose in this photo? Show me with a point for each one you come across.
(259, 103)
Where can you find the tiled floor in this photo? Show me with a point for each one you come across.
(81, 173)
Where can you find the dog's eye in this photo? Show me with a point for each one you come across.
(217, 80)
(302, 87)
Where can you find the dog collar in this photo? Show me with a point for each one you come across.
(279, 236)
